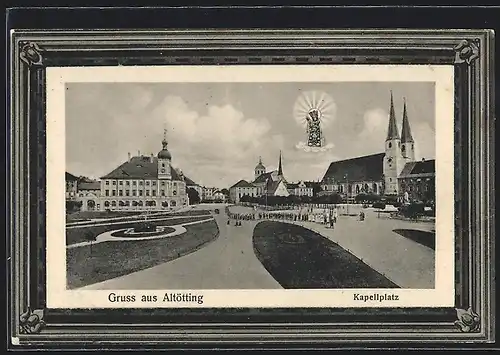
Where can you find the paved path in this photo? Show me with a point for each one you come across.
(227, 263)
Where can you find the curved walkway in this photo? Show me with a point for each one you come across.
(226, 263)
(107, 236)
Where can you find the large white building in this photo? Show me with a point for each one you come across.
(144, 183)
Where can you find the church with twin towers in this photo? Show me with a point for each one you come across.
(393, 172)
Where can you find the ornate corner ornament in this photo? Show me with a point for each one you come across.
(468, 321)
(30, 322)
(30, 53)
(467, 51)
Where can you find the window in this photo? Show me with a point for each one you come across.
(134, 183)
(134, 192)
(390, 180)
(120, 192)
(162, 165)
(154, 183)
(127, 183)
(163, 183)
(107, 192)
(403, 148)
(147, 192)
(153, 193)
(390, 145)
(163, 192)
(173, 203)
(127, 193)
(121, 182)
(140, 192)
(141, 182)
(107, 182)
(114, 193)
(175, 193)
(113, 203)
(106, 204)
(147, 183)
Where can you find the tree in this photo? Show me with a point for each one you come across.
(193, 196)
(91, 238)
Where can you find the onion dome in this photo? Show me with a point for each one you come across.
(260, 166)
(164, 153)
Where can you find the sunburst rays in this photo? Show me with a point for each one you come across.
(314, 100)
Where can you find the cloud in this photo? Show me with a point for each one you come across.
(219, 146)
(374, 133)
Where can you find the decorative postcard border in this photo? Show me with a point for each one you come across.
(32, 325)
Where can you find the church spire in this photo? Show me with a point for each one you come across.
(280, 167)
(406, 136)
(392, 131)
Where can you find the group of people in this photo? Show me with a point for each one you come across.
(327, 217)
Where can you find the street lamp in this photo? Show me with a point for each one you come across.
(347, 193)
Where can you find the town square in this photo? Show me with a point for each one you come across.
(320, 216)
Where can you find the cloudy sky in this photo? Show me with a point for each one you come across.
(216, 132)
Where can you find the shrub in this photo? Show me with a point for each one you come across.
(379, 205)
(144, 227)
(413, 210)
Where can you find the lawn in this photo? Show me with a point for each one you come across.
(299, 258)
(113, 259)
(425, 238)
(77, 235)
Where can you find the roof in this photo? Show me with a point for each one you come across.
(71, 177)
(292, 186)
(272, 186)
(139, 167)
(94, 185)
(365, 168)
(406, 136)
(189, 182)
(423, 168)
(243, 183)
(392, 130)
(263, 177)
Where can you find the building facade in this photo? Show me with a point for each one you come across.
(71, 187)
(418, 180)
(240, 189)
(89, 193)
(144, 183)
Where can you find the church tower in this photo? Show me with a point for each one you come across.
(393, 161)
(280, 169)
(260, 169)
(407, 143)
(164, 160)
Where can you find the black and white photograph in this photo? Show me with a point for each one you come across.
(254, 184)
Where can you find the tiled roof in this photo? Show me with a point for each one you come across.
(71, 177)
(419, 169)
(139, 167)
(94, 185)
(263, 177)
(292, 186)
(365, 168)
(189, 182)
(242, 183)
